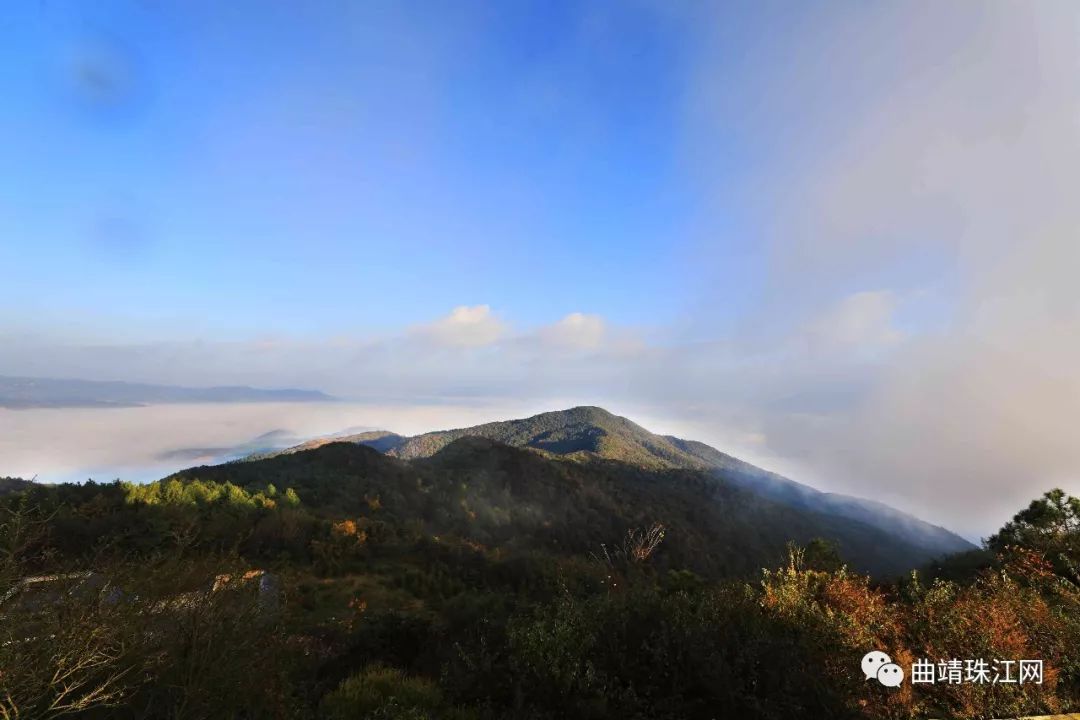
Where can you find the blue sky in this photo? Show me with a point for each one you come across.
(192, 171)
(337, 167)
(837, 237)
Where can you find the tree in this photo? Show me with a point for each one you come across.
(822, 554)
(637, 547)
(1049, 525)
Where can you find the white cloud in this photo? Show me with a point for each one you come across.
(952, 169)
(465, 327)
(129, 443)
(860, 323)
(577, 331)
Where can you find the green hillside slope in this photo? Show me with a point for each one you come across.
(497, 495)
(584, 433)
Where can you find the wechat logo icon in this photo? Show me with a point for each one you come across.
(878, 665)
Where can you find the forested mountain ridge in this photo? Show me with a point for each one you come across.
(501, 496)
(488, 582)
(586, 432)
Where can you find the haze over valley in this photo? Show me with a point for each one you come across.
(147, 442)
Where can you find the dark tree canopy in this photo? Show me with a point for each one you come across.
(1049, 525)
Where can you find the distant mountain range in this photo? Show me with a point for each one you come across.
(25, 392)
(589, 434)
(265, 443)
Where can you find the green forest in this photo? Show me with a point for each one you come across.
(490, 582)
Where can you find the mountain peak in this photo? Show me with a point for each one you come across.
(592, 413)
(575, 432)
(589, 432)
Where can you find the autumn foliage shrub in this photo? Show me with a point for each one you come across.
(1019, 610)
